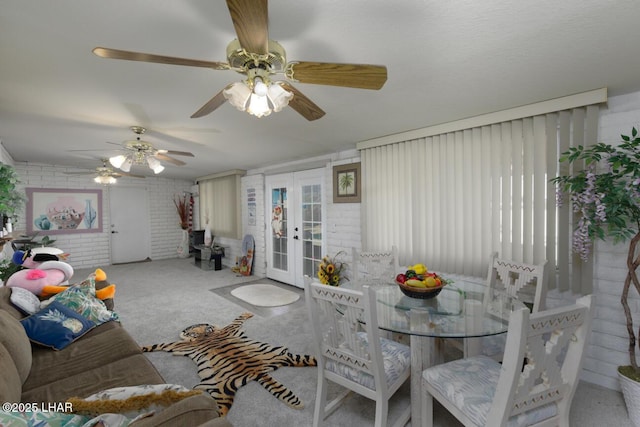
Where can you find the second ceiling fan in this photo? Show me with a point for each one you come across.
(256, 56)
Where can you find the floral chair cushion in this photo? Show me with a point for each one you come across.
(396, 358)
(470, 385)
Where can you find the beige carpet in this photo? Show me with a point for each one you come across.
(263, 295)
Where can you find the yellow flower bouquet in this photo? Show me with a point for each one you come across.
(330, 269)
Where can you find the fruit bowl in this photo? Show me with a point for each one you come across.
(421, 293)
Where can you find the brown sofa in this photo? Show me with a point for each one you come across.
(105, 357)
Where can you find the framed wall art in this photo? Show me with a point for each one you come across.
(62, 211)
(346, 183)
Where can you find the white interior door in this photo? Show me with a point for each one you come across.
(294, 212)
(129, 213)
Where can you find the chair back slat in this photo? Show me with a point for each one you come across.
(526, 282)
(375, 267)
(342, 321)
(545, 361)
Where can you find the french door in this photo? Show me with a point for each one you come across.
(295, 225)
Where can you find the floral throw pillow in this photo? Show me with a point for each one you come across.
(81, 298)
(25, 300)
(56, 326)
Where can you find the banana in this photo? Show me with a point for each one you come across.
(415, 283)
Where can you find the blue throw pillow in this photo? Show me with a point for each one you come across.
(56, 326)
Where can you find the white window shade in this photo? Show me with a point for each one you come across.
(220, 203)
(451, 199)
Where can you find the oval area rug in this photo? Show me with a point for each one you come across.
(263, 295)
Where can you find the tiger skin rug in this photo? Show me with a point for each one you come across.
(227, 359)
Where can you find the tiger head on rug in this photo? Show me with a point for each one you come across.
(243, 359)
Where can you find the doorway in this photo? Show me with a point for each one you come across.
(295, 225)
(129, 214)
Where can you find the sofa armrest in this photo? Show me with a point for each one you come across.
(192, 411)
(217, 422)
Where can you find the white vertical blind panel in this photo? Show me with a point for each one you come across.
(496, 193)
(539, 188)
(527, 189)
(487, 202)
(505, 179)
(551, 242)
(577, 139)
(516, 194)
(563, 226)
(590, 138)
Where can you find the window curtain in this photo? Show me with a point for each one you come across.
(452, 199)
(220, 205)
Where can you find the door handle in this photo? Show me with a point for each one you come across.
(296, 237)
(113, 232)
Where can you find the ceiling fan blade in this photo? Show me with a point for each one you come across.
(169, 159)
(176, 153)
(251, 21)
(359, 76)
(131, 175)
(303, 105)
(104, 52)
(211, 105)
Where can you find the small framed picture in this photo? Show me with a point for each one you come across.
(346, 183)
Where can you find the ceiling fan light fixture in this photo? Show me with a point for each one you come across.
(279, 97)
(258, 106)
(238, 95)
(126, 165)
(104, 179)
(154, 165)
(259, 88)
(117, 161)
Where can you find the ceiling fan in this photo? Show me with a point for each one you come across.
(139, 152)
(105, 174)
(256, 56)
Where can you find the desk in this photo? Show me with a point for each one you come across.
(457, 312)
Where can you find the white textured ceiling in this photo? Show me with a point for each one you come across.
(446, 60)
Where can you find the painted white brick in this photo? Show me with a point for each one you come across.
(93, 249)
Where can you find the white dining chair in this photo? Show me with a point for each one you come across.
(372, 267)
(351, 353)
(526, 282)
(535, 383)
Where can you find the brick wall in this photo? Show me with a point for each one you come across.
(609, 341)
(93, 249)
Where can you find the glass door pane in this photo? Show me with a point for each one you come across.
(311, 228)
(279, 229)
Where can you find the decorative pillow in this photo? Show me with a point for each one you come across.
(132, 401)
(26, 301)
(81, 298)
(56, 326)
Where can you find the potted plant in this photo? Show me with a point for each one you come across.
(182, 206)
(606, 196)
(11, 200)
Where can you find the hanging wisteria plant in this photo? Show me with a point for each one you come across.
(604, 191)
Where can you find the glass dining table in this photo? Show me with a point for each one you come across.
(458, 311)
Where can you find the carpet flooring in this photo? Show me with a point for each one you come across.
(156, 299)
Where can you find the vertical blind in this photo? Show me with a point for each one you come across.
(452, 199)
(220, 204)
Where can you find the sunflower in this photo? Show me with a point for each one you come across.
(330, 269)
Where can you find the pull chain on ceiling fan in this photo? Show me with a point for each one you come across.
(256, 56)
